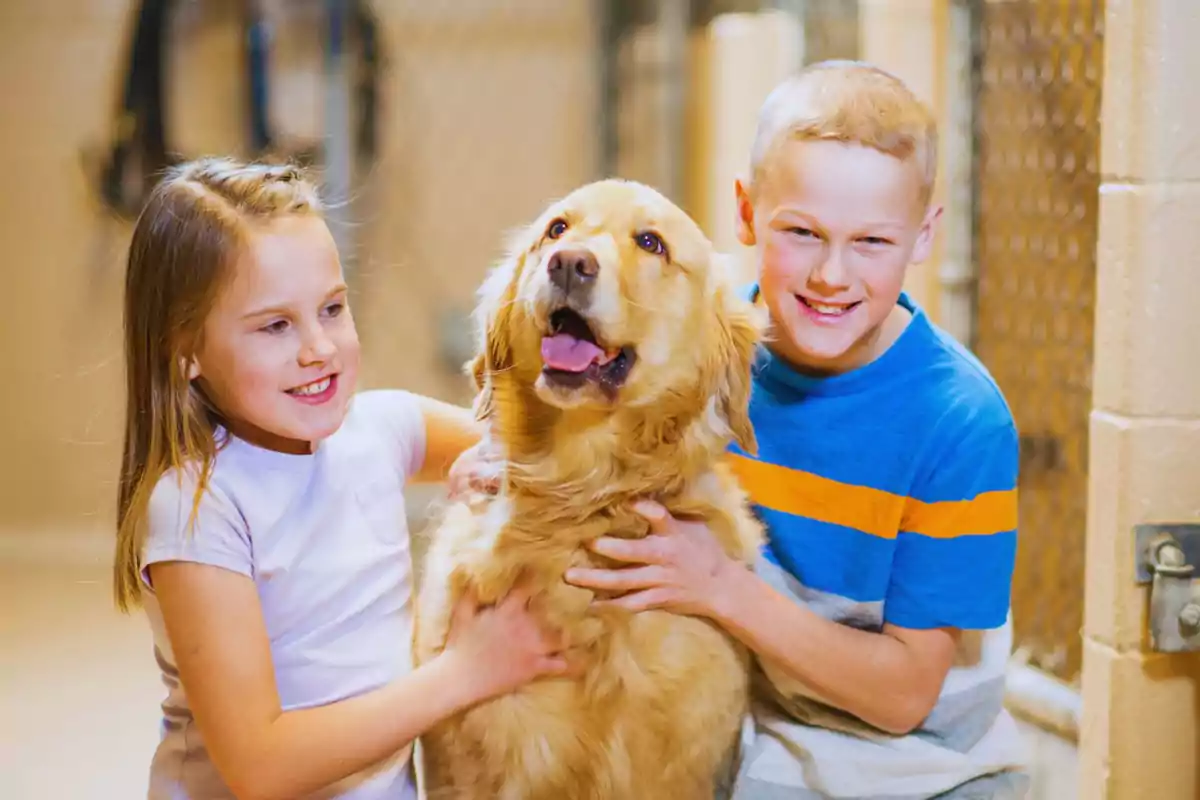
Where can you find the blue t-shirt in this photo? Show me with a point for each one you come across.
(889, 494)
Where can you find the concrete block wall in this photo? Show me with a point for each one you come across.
(908, 37)
(1140, 730)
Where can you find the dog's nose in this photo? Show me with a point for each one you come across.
(571, 269)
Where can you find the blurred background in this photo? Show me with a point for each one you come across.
(439, 126)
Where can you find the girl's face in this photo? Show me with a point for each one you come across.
(278, 353)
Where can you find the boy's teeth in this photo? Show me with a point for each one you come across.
(313, 388)
(824, 308)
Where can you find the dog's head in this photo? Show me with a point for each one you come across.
(614, 299)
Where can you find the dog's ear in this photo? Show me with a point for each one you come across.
(476, 368)
(740, 328)
(493, 327)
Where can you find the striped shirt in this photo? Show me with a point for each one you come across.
(889, 494)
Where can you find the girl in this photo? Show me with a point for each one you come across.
(261, 516)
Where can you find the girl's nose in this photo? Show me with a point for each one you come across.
(318, 348)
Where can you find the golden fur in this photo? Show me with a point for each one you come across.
(660, 703)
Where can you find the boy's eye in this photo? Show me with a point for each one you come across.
(334, 309)
(803, 232)
(874, 240)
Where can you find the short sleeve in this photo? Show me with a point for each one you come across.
(396, 415)
(218, 536)
(957, 544)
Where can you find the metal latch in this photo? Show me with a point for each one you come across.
(1166, 558)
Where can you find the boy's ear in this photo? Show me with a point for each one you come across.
(925, 236)
(745, 213)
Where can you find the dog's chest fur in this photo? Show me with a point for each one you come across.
(618, 730)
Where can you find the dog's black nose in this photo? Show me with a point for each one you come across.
(573, 270)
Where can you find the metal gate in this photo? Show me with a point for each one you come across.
(1037, 68)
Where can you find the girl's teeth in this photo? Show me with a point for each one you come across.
(313, 388)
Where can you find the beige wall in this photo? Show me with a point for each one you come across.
(1140, 734)
(744, 56)
(488, 113)
(908, 37)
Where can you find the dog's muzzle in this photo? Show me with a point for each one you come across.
(573, 275)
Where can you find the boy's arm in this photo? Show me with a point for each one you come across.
(890, 680)
(952, 570)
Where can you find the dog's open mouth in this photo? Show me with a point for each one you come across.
(572, 356)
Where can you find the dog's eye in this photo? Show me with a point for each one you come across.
(557, 228)
(651, 243)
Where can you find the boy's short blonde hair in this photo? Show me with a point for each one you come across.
(852, 102)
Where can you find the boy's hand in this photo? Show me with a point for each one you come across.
(679, 566)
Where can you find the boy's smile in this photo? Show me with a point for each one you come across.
(836, 226)
(824, 312)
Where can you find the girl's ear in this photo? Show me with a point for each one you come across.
(190, 367)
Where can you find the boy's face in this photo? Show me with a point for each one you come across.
(835, 226)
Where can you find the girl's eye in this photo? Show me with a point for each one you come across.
(334, 309)
(557, 228)
(651, 242)
(278, 326)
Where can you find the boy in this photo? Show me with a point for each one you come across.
(886, 476)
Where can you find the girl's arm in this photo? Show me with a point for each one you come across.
(449, 430)
(215, 626)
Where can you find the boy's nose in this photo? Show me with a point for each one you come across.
(832, 272)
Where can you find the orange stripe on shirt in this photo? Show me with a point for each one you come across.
(986, 513)
(804, 494)
(872, 511)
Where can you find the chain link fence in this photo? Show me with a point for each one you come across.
(1038, 67)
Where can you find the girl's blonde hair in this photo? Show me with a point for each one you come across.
(185, 244)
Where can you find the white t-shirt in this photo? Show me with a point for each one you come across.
(325, 539)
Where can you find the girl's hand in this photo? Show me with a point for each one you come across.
(502, 647)
(478, 469)
(679, 566)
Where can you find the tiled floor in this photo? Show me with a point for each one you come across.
(79, 692)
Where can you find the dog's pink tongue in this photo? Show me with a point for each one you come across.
(565, 352)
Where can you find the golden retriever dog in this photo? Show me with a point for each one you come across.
(614, 366)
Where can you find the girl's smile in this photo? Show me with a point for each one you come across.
(279, 354)
(319, 391)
